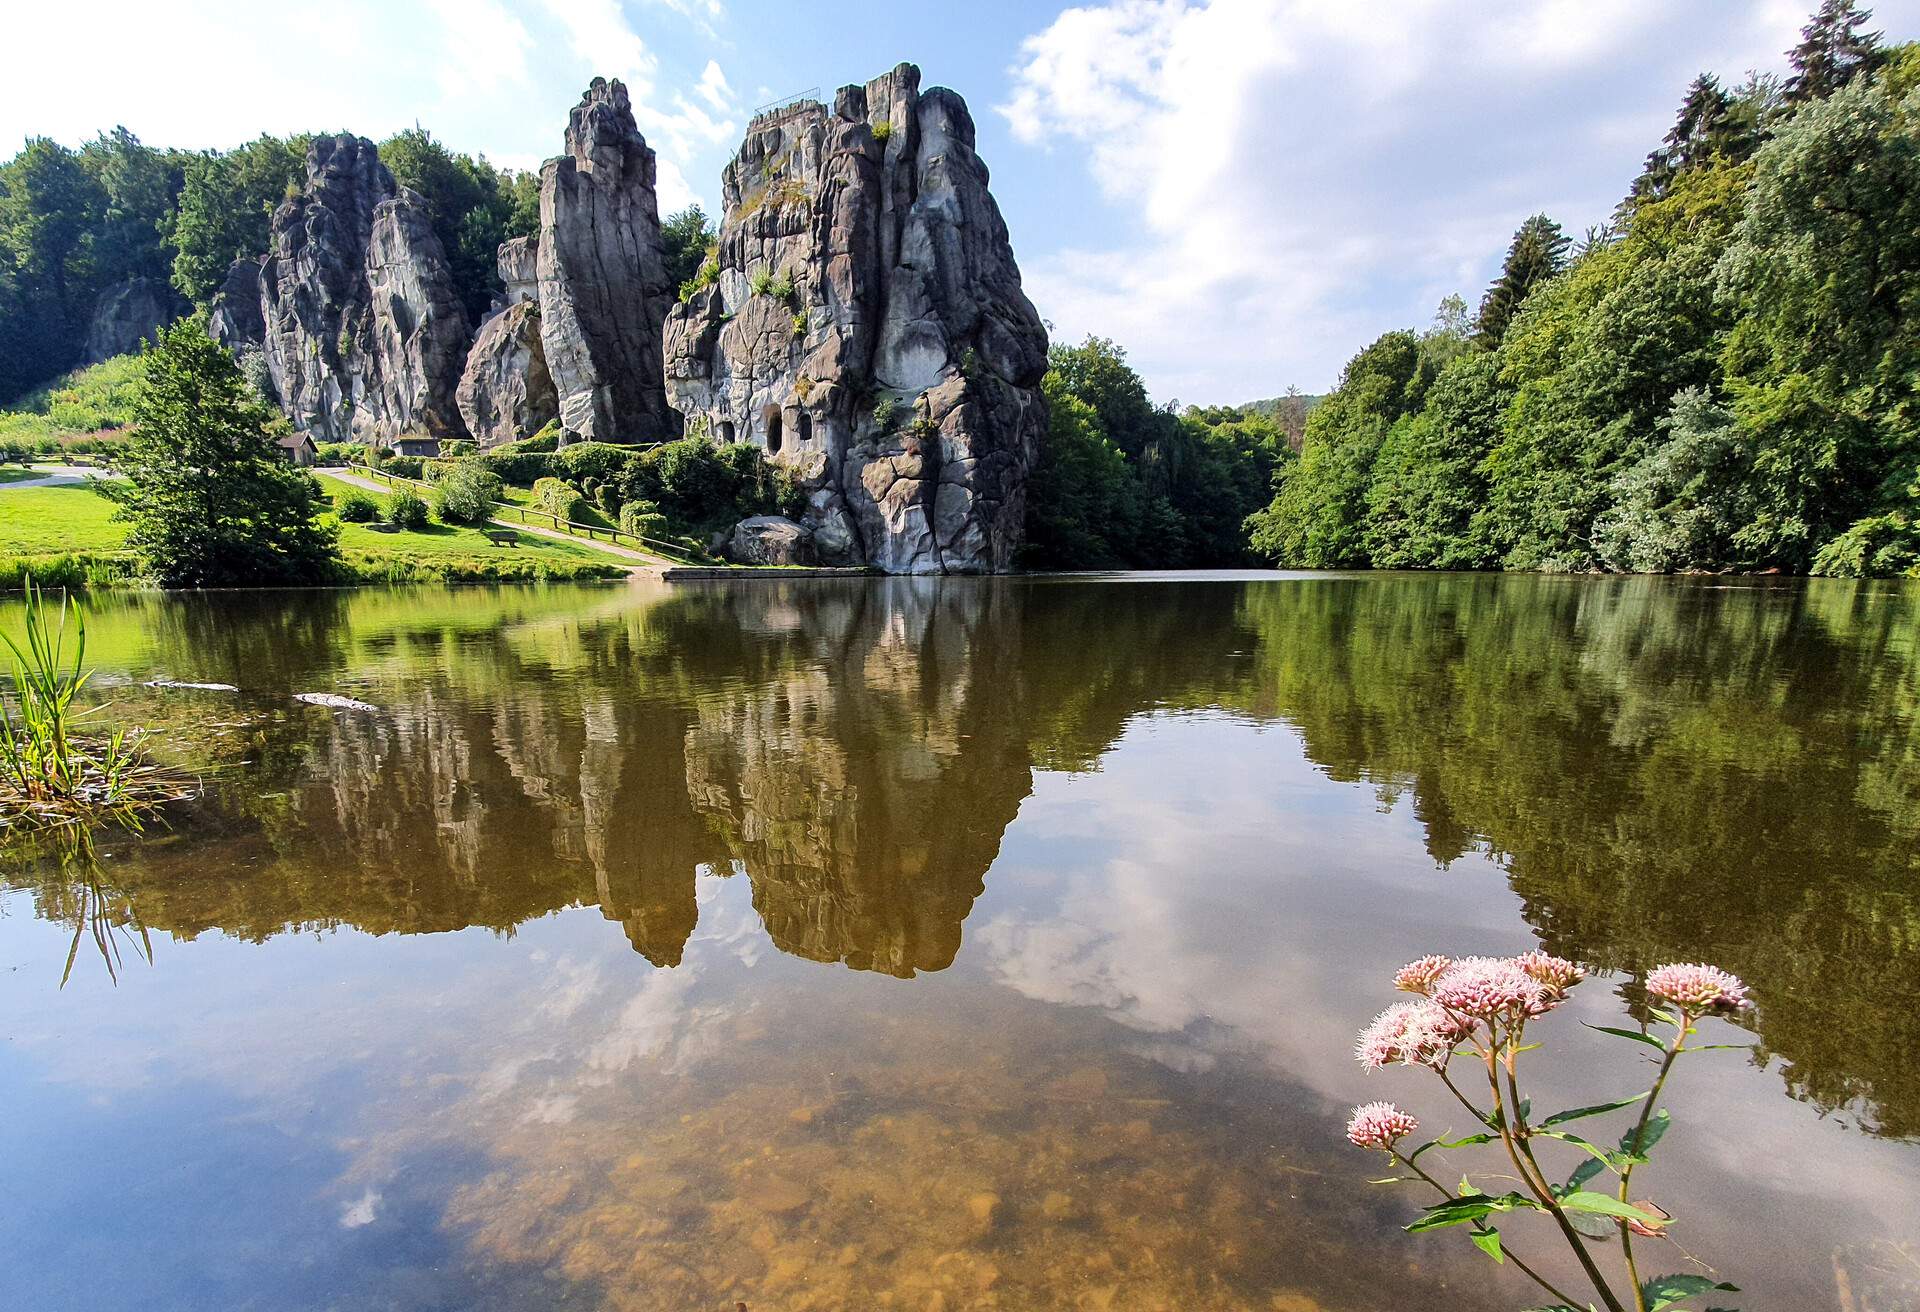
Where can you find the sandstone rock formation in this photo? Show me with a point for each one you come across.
(603, 275)
(868, 329)
(419, 328)
(362, 331)
(126, 315)
(506, 392)
(519, 265)
(236, 322)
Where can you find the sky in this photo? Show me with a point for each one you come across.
(1241, 193)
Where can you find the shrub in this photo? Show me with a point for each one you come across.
(341, 453)
(559, 497)
(608, 495)
(406, 509)
(760, 282)
(591, 460)
(402, 466)
(466, 493)
(643, 519)
(522, 468)
(357, 507)
(886, 414)
(882, 130)
(455, 448)
(706, 276)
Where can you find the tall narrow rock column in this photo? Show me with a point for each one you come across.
(604, 289)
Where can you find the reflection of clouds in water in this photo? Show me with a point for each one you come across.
(727, 917)
(361, 1210)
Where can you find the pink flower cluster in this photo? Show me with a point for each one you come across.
(1416, 1033)
(1379, 1125)
(1697, 989)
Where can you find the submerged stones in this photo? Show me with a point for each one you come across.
(868, 330)
(603, 276)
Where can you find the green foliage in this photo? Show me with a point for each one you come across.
(405, 509)
(598, 460)
(465, 493)
(701, 487)
(226, 202)
(688, 237)
(1833, 51)
(1682, 504)
(559, 497)
(643, 519)
(357, 506)
(1538, 253)
(882, 130)
(341, 453)
(208, 500)
(96, 399)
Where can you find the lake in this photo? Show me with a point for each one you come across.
(939, 944)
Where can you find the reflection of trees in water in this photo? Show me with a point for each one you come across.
(71, 887)
(1665, 771)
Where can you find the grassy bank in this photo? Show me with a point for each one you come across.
(66, 536)
(85, 410)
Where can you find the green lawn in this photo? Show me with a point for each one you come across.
(53, 521)
(43, 521)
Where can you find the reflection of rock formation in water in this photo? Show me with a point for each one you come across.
(866, 794)
(833, 743)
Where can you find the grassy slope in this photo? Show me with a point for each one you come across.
(94, 402)
(51, 521)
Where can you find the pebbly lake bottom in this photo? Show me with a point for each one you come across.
(973, 943)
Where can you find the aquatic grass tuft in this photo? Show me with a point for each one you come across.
(50, 773)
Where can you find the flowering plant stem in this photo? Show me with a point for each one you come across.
(1479, 1009)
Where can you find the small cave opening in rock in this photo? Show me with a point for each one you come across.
(803, 427)
(773, 429)
(726, 432)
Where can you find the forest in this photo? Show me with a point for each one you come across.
(1723, 377)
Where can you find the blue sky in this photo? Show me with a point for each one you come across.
(1242, 193)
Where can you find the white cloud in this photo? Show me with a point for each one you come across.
(485, 46)
(714, 89)
(1295, 177)
(601, 37)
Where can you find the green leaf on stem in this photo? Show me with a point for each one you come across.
(1488, 1242)
(1581, 1174)
(1585, 1201)
(1618, 1160)
(1596, 1228)
(1598, 1109)
(1635, 1035)
(1472, 1207)
(1639, 1140)
(1665, 1291)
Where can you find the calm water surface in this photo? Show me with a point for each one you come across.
(939, 945)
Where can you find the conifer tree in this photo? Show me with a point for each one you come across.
(1538, 252)
(1833, 51)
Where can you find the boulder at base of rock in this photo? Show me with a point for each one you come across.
(770, 540)
(506, 392)
(127, 314)
(518, 261)
(603, 276)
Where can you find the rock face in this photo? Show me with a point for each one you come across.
(506, 392)
(603, 276)
(770, 540)
(419, 328)
(236, 322)
(868, 330)
(363, 334)
(127, 314)
(518, 262)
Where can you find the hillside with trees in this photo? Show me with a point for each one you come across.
(1722, 378)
